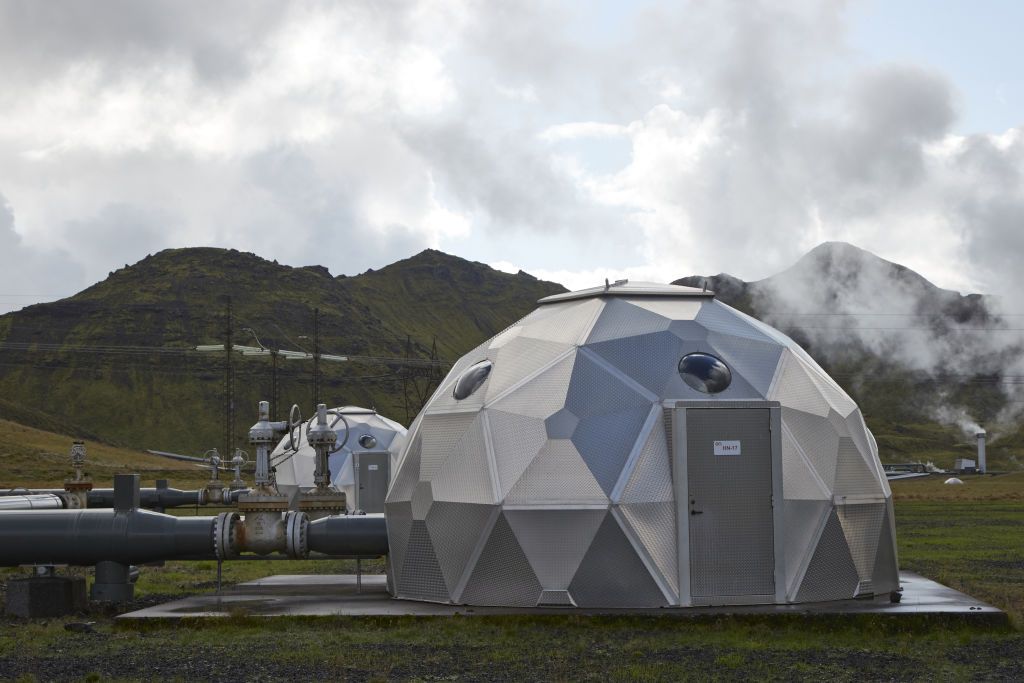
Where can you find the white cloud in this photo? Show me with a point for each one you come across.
(700, 137)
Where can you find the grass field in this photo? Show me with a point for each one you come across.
(970, 537)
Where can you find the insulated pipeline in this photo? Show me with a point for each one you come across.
(85, 537)
(349, 535)
(32, 501)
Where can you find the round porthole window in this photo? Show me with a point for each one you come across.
(471, 379)
(705, 373)
(367, 441)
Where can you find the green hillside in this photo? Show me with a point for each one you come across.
(116, 357)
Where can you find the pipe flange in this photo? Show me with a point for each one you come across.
(297, 535)
(225, 536)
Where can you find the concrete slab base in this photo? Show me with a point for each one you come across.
(45, 596)
(326, 595)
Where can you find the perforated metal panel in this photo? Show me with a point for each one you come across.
(439, 433)
(654, 527)
(730, 504)
(719, 317)
(555, 541)
(862, 525)
(517, 439)
(650, 359)
(798, 478)
(455, 529)
(885, 576)
(755, 361)
(803, 520)
(571, 326)
(651, 478)
(831, 574)
(518, 359)
(399, 521)
(557, 475)
(408, 474)
(612, 575)
(817, 439)
(421, 574)
(502, 575)
(543, 395)
(465, 475)
(794, 388)
(605, 442)
(673, 309)
(621, 319)
(853, 477)
(593, 390)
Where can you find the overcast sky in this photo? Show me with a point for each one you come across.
(576, 141)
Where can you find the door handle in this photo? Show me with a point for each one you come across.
(696, 512)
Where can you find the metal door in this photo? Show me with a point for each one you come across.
(372, 474)
(729, 474)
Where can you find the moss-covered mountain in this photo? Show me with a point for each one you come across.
(923, 363)
(115, 357)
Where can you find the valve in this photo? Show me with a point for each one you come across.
(213, 492)
(264, 433)
(240, 459)
(77, 487)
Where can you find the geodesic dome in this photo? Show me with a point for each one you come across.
(639, 445)
(296, 472)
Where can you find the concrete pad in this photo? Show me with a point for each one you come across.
(336, 595)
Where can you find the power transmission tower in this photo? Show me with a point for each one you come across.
(229, 386)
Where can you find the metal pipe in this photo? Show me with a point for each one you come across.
(349, 535)
(32, 501)
(86, 537)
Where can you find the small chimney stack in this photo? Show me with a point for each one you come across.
(981, 451)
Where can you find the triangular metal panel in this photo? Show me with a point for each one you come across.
(571, 326)
(399, 524)
(517, 439)
(853, 476)
(421, 573)
(719, 317)
(594, 390)
(862, 525)
(557, 475)
(517, 360)
(673, 309)
(885, 576)
(555, 541)
(465, 476)
(455, 529)
(818, 441)
(649, 359)
(439, 435)
(651, 478)
(622, 319)
(831, 574)
(794, 388)
(543, 395)
(689, 331)
(653, 525)
(605, 442)
(612, 575)
(502, 575)
(800, 481)
(408, 475)
(754, 361)
(803, 520)
(422, 499)
(830, 391)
